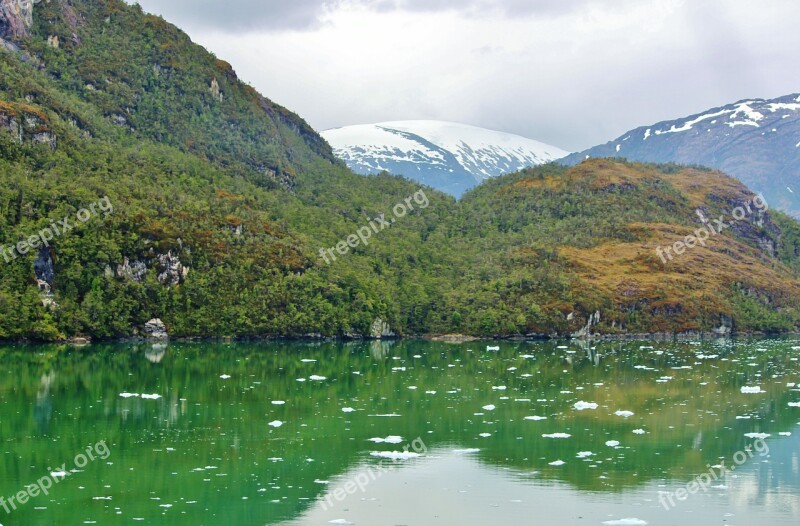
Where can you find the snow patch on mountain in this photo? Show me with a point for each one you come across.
(449, 156)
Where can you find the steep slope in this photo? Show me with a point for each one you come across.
(757, 141)
(210, 208)
(447, 156)
(557, 248)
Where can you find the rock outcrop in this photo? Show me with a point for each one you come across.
(380, 330)
(16, 18)
(156, 330)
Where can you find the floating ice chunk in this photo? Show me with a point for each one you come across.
(557, 435)
(490, 348)
(639, 432)
(275, 423)
(485, 435)
(151, 396)
(388, 440)
(489, 407)
(785, 433)
(582, 406)
(347, 410)
(224, 376)
(535, 418)
(557, 463)
(466, 451)
(760, 436)
(626, 522)
(278, 402)
(794, 404)
(395, 455)
(316, 378)
(128, 395)
(624, 414)
(340, 521)
(499, 387)
(752, 390)
(301, 379)
(60, 474)
(307, 360)
(612, 443)
(585, 454)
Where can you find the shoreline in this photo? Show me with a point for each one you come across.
(454, 339)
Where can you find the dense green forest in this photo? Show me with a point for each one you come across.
(222, 201)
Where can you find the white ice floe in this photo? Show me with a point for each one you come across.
(466, 451)
(490, 348)
(785, 433)
(340, 521)
(151, 396)
(557, 463)
(129, 395)
(499, 387)
(582, 406)
(485, 435)
(347, 410)
(624, 414)
(752, 390)
(585, 454)
(395, 455)
(639, 432)
(393, 439)
(278, 402)
(275, 423)
(308, 360)
(557, 435)
(489, 407)
(794, 404)
(224, 376)
(631, 521)
(760, 436)
(316, 378)
(535, 418)
(59, 474)
(612, 443)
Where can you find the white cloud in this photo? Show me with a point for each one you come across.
(573, 76)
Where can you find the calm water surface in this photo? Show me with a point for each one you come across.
(406, 433)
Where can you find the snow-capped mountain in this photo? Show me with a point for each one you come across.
(756, 141)
(448, 156)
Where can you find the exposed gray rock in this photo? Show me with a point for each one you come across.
(171, 270)
(380, 329)
(16, 18)
(586, 331)
(134, 270)
(156, 330)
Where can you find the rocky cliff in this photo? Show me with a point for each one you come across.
(16, 17)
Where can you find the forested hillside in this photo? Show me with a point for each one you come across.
(222, 201)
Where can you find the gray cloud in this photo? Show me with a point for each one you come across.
(281, 15)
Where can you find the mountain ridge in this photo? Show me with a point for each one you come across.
(754, 140)
(448, 156)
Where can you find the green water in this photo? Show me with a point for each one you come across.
(276, 433)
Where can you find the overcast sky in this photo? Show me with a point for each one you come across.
(573, 73)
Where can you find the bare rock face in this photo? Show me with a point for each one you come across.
(16, 18)
(380, 329)
(156, 330)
